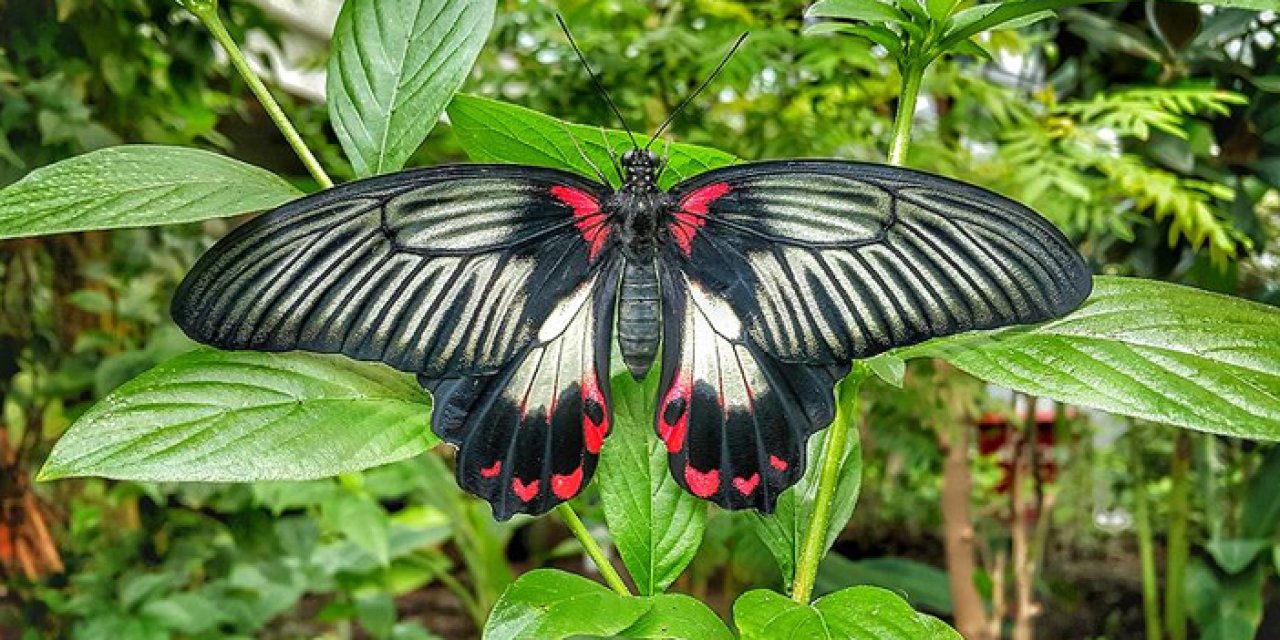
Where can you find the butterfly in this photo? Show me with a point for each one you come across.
(755, 286)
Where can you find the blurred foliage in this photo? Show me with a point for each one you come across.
(1149, 131)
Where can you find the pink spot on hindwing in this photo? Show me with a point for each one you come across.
(594, 427)
(702, 484)
(692, 214)
(778, 463)
(746, 485)
(525, 492)
(492, 470)
(587, 216)
(677, 399)
(566, 486)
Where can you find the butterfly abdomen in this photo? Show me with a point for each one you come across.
(639, 316)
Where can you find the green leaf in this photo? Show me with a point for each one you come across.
(136, 186)
(993, 16)
(923, 585)
(494, 131)
(863, 10)
(362, 521)
(1261, 515)
(875, 33)
(783, 532)
(940, 10)
(1224, 607)
(656, 525)
(1234, 555)
(856, 613)
(238, 416)
(678, 617)
(551, 604)
(395, 65)
(1141, 348)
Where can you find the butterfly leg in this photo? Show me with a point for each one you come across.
(594, 167)
(613, 157)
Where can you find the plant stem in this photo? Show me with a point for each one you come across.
(815, 540)
(1146, 539)
(912, 75)
(207, 12)
(580, 532)
(1175, 610)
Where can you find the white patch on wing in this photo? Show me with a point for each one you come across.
(565, 312)
(717, 312)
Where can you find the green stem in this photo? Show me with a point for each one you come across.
(580, 532)
(912, 76)
(815, 540)
(1146, 540)
(207, 12)
(1175, 610)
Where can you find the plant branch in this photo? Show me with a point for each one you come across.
(207, 12)
(580, 532)
(912, 76)
(815, 540)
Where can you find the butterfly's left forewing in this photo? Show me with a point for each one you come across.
(779, 274)
(528, 437)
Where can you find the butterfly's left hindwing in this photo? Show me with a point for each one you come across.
(528, 437)
(733, 418)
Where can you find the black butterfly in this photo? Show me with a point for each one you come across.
(500, 286)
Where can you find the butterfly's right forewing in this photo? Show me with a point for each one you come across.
(441, 272)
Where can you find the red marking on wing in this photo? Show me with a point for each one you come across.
(567, 486)
(778, 463)
(673, 433)
(692, 214)
(702, 484)
(492, 470)
(525, 492)
(746, 485)
(593, 432)
(587, 216)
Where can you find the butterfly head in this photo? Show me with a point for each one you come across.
(641, 168)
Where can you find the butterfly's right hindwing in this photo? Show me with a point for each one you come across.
(442, 272)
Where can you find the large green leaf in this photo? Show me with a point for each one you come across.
(675, 616)
(494, 131)
(395, 65)
(856, 613)
(783, 532)
(238, 416)
(551, 604)
(136, 186)
(656, 525)
(1141, 348)
(923, 585)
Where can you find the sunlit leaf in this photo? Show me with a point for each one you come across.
(1141, 348)
(856, 613)
(395, 65)
(551, 604)
(239, 416)
(494, 131)
(136, 186)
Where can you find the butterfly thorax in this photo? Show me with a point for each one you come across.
(639, 211)
(639, 208)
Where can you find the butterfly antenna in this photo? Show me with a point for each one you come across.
(599, 87)
(705, 83)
